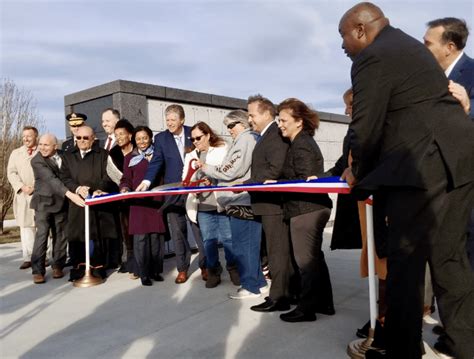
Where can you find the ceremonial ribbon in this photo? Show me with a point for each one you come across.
(320, 185)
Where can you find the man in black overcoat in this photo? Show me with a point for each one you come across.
(411, 139)
(84, 172)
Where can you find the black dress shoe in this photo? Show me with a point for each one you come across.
(364, 331)
(441, 347)
(327, 310)
(296, 315)
(270, 305)
(146, 281)
(375, 354)
(438, 330)
(158, 277)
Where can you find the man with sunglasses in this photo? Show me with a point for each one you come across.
(83, 172)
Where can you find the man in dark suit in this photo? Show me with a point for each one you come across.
(50, 205)
(401, 137)
(168, 155)
(446, 39)
(268, 158)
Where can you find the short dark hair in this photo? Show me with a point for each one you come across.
(115, 112)
(301, 111)
(144, 129)
(124, 123)
(34, 129)
(455, 30)
(264, 104)
(178, 109)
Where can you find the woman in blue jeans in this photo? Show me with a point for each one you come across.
(246, 231)
(213, 223)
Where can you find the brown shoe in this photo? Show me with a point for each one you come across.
(181, 277)
(38, 278)
(204, 274)
(25, 265)
(58, 273)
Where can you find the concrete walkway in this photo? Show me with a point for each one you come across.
(122, 319)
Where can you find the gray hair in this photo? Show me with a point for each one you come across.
(237, 116)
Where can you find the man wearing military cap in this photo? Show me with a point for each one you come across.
(75, 121)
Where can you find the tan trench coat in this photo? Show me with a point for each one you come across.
(20, 173)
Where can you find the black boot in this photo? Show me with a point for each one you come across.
(234, 274)
(213, 277)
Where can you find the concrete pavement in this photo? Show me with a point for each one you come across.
(122, 319)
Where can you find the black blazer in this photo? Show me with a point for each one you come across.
(304, 159)
(402, 112)
(49, 192)
(268, 158)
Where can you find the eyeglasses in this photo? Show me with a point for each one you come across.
(230, 126)
(85, 138)
(197, 138)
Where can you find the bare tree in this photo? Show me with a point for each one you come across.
(17, 109)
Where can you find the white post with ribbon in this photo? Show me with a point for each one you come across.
(88, 280)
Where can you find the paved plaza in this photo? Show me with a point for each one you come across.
(123, 319)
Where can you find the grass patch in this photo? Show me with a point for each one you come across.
(10, 235)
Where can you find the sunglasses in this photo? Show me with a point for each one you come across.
(230, 126)
(196, 139)
(75, 125)
(85, 138)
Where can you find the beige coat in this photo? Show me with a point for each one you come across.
(20, 173)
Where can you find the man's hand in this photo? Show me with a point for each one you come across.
(124, 190)
(83, 191)
(27, 189)
(460, 94)
(98, 192)
(310, 178)
(348, 176)
(76, 199)
(270, 181)
(141, 187)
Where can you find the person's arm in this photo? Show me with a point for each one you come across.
(14, 175)
(460, 94)
(126, 182)
(372, 87)
(275, 155)
(44, 173)
(236, 164)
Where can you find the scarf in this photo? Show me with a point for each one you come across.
(141, 155)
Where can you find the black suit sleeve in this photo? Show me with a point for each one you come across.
(372, 88)
(275, 154)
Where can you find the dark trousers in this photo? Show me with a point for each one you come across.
(149, 251)
(279, 254)
(44, 222)
(470, 240)
(429, 225)
(307, 237)
(179, 234)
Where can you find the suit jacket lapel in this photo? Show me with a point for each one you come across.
(456, 73)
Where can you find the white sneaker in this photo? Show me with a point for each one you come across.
(265, 289)
(243, 294)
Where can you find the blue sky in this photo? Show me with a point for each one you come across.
(232, 48)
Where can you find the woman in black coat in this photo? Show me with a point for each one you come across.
(307, 213)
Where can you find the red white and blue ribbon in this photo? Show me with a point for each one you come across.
(320, 185)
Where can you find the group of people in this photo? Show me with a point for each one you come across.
(409, 144)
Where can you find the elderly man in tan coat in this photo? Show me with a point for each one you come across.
(21, 178)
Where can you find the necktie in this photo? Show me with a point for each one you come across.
(30, 151)
(57, 160)
(109, 143)
(180, 145)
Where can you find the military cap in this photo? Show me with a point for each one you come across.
(76, 119)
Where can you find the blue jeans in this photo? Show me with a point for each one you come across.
(215, 227)
(246, 238)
